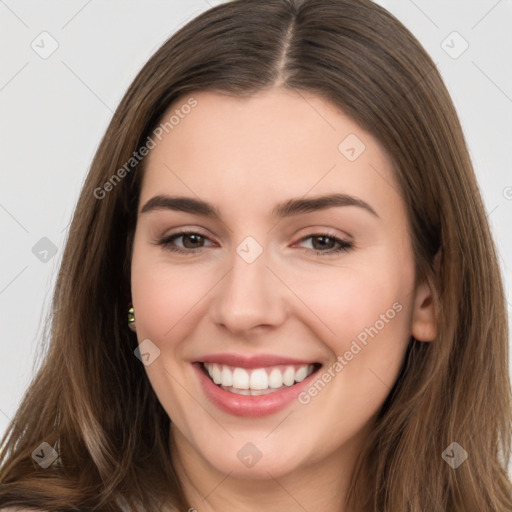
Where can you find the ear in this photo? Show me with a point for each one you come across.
(424, 326)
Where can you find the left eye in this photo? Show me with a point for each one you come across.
(326, 243)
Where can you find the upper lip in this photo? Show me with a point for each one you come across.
(256, 361)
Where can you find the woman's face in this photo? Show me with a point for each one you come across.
(296, 259)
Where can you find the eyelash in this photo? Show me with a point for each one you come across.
(343, 245)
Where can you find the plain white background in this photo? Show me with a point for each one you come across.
(56, 108)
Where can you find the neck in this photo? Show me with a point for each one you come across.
(322, 485)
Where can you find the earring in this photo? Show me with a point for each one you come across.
(131, 318)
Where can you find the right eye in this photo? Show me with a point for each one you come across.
(185, 242)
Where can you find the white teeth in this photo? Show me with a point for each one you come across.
(216, 374)
(240, 378)
(289, 376)
(257, 381)
(226, 377)
(275, 379)
(301, 373)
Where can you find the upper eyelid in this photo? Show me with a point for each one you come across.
(186, 231)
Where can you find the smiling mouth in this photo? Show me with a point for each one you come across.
(257, 381)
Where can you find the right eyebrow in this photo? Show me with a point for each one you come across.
(181, 204)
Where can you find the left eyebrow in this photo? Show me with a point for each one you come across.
(287, 209)
(298, 206)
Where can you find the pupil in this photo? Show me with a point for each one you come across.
(325, 242)
(195, 241)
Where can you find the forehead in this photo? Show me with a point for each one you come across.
(274, 144)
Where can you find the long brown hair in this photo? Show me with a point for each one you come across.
(91, 399)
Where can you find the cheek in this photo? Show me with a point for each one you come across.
(170, 301)
(167, 300)
(365, 311)
(368, 310)
(164, 296)
(350, 300)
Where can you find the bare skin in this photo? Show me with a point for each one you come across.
(298, 298)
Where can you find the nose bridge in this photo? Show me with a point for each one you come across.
(249, 294)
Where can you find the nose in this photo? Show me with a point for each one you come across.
(249, 298)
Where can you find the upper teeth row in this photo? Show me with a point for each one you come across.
(260, 378)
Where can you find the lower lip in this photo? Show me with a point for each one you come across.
(252, 406)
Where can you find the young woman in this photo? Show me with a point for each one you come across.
(279, 290)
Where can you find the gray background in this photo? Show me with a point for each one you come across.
(55, 110)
